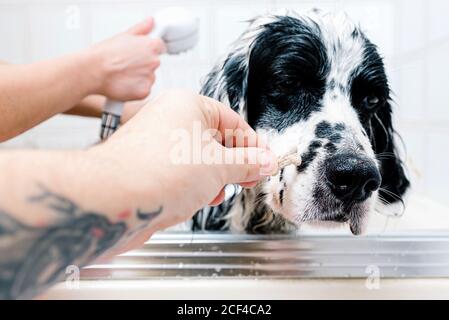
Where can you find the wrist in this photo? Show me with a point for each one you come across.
(92, 72)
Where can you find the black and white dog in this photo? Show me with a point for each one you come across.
(317, 83)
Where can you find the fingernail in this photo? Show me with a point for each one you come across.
(268, 163)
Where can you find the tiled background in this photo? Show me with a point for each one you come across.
(412, 34)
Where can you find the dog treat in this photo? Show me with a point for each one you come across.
(290, 158)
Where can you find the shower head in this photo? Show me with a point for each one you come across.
(177, 27)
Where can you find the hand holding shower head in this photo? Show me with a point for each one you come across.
(178, 28)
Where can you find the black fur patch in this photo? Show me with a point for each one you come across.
(281, 174)
(288, 66)
(330, 148)
(335, 138)
(315, 144)
(323, 130)
(308, 157)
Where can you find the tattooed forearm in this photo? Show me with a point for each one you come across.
(34, 258)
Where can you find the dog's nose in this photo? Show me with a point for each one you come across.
(352, 178)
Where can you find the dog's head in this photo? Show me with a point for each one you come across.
(316, 83)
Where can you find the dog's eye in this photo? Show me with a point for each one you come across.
(287, 85)
(371, 102)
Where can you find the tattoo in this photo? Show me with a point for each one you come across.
(34, 258)
(55, 202)
(148, 216)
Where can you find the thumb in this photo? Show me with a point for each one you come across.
(142, 28)
(248, 164)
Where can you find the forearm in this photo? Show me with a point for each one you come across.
(32, 93)
(59, 209)
(92, 106)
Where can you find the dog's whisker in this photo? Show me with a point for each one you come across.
(386, 153)
(382, 200)
(387, 203)
(387, 135)
(371, 135)
(394, 195)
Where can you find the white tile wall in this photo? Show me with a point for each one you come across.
(66, 25)
(231, 17)
(438, 19)
(437, 83)
(109, 19)
(438, 160)
(412, 34)
(376, 19)
(14, 44)
(412, 25)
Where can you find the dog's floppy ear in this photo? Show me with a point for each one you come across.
(227, 82)
(394, 181)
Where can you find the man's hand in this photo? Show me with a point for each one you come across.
(127, 62)
(218, 148)
(61, 208)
